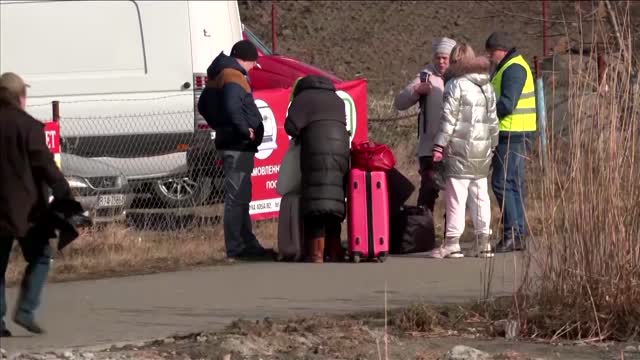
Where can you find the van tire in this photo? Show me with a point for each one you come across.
(172, 196)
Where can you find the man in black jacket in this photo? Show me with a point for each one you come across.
(27, 170)
(228, 106)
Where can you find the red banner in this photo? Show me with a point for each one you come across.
(52, 135)
(273, 105)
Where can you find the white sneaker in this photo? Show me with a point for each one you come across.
(485, 252)
(454, 252)
(447, 251)
(482, 247)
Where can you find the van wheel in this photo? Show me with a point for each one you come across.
(183, 191)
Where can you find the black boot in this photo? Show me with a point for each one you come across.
(27, 323)
(510, 244)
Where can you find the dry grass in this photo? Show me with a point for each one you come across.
(118, 251)
(380, 109)
(588, 286)
(583, 209)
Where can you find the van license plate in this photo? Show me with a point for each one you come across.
(110, 200)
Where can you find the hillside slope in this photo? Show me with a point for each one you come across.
(388, 42)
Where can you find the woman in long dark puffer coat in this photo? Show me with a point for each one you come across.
(317, 118)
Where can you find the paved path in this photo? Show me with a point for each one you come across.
(87, 313)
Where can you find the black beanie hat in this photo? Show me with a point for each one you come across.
(499, 41)
(244, 50)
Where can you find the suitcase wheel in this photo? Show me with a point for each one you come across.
(382, 257)
(356, 258)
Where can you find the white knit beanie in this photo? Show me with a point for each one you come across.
(443, 46)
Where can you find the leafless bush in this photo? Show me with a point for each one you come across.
(587, 246)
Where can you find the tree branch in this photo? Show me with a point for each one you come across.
(614, 23)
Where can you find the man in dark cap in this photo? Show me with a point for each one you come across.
(228, 106)
(27, 169)
(516, 107)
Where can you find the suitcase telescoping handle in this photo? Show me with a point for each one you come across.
(367, 144)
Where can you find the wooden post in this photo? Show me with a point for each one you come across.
(544, 28)
(55, 108)
(273, 27)
(602, 66)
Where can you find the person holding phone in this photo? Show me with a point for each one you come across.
(426, 89)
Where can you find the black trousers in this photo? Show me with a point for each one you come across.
(238, 232)
(322, 226)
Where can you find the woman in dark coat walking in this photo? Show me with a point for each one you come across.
(317, 118)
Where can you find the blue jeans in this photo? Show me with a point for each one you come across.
(507, 182)
(238, 233)
(37, 253)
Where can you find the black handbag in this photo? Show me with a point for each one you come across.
(439, 176)
(412, 231)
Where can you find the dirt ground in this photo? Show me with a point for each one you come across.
(388, 42)
(354, 337)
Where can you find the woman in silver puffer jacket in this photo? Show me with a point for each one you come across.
(467, 137)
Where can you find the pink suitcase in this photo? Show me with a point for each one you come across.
(368, 215)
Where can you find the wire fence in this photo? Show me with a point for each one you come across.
(154, 172)
(124, 167)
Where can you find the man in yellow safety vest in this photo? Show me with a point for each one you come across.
(516, 107)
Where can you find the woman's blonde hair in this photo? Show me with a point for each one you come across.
(461, 52)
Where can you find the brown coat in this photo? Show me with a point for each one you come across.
(27, 169)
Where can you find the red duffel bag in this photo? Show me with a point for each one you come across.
(369, 156)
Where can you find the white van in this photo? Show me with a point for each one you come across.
(127, 75)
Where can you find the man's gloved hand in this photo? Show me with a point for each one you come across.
(80, 220)
(66, 207)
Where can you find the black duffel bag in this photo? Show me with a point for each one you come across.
(412, 231)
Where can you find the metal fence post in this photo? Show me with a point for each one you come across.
(273, 26)
(541, 114)
(55, 108)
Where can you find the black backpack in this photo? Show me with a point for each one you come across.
(210, 107)
(412, 231)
